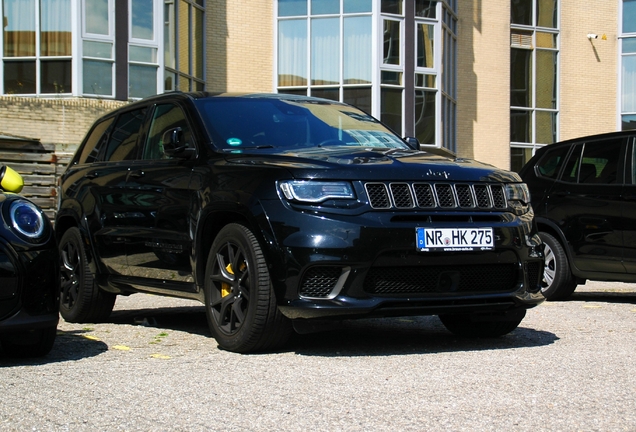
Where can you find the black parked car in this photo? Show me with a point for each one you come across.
(584, 198)
(278, 211)
(29, 276)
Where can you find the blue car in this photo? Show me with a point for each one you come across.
(29, 273)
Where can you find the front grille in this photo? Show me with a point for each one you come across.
(435, 195)
(444, 279)
(320, 281)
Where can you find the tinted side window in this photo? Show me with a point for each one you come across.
(551, 163)
(123, 140)
(596, 164)
(165, 117)
(571, 170)
(95, 142)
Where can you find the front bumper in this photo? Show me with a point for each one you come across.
(337, 266)
(29, 286)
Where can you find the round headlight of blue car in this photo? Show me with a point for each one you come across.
(27, 219)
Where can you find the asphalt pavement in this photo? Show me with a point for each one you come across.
(569, 367)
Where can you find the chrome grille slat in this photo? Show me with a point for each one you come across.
(402, 195)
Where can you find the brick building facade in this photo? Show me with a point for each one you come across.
(457, 53)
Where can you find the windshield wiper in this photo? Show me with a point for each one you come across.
(259, 147)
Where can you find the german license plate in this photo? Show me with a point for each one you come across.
(454, 239)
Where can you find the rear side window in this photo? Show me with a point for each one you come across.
(551, 163)
(594, 163)
(122, 144)
(95, 142)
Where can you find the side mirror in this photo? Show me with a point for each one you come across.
(174, 146)
(10, 180)
(412, 142)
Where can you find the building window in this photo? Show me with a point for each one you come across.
(98, 47)
(534, 66)
(37, 47)
(325, 49)
(385, 57)
(183, 45)
(628, 65)
(143, 47)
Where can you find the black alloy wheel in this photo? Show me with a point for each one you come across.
(80, 300)
(239, 299)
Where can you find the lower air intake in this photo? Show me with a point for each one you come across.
(449, 279)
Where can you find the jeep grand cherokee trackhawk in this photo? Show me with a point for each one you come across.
(276, 210)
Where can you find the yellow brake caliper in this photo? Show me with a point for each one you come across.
(226, 288)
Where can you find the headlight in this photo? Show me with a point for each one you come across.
(518, 192)
(316, 191)
(27, 219)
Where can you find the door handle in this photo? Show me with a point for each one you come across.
(137, 174)
(561, 193)
(92, 175)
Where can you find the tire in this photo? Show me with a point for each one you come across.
(468, 326)
(239, 300)
(557, 282)
(30, 347)
(81, 300)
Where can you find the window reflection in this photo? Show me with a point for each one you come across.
(325, 50)
(319, 7)
(520, 126)
(425, 45)
(520, 77)
(197, 43)
(96, 17)
(392, 7)
(629, 16)
(357, 50)
(142, 19)
(546, 127)
(19, 77)
(142, 80)
(19, 28)
(292, 7)
(98, 77)
(425, 8)
(546, 93)
(425, 116)
(55, 76)
(55, 28)
(292, 53)
(354, 6)
(547, 13)
(628, 96)
(391, 108)
(391, 42)
(521, 12)
(359, 97)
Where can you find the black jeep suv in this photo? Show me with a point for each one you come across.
(277, 211)
(584, 197)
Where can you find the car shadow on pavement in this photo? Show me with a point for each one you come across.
(189, 319)
(604, 297)
(368, 337)
(413, 335)
(69, 346)
(364, 337)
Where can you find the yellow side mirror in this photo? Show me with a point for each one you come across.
(10, 181)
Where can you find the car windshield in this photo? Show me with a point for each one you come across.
(244, 122)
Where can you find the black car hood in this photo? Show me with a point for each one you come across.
(360, 163)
